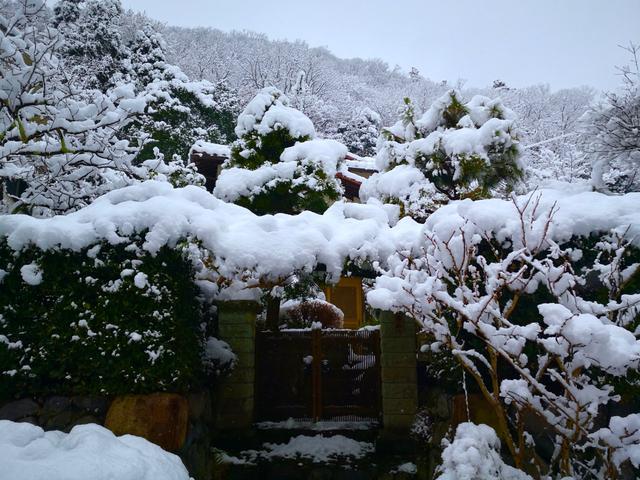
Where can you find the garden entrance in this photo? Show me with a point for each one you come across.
(318, 375)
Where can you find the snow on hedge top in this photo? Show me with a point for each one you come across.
(87, 452)
(242, 243)
(274, 246)
(269, 110)
(577, 214)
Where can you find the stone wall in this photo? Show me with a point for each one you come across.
(57, 412)
(181, 424)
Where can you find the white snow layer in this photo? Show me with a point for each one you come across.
(474, 454)
(318, 449)
(271, 246)
(274, 246)
(87, 452)
(211, 149)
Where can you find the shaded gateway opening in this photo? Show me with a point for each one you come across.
(312, 375)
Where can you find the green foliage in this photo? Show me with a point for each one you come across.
(87, 328)
(173, 127)
(256, 149)
(310, 187)
(292, 198)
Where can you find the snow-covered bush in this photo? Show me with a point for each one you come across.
(474, 454)
(276, 164)
(106, 319)
(613, 128)
(538, 301)
(304, 314)
(453, 151)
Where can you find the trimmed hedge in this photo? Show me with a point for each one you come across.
(105, 320)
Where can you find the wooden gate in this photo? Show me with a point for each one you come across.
(318, 375)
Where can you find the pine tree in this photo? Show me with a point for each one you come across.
(93, 50)
(275, 164)
(361, 133)
(455, 150)
(181, 112)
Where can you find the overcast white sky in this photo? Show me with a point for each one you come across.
(561, 42)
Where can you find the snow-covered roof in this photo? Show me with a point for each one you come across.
(364, 163)
(208, 148)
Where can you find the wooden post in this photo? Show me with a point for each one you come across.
(316, 373)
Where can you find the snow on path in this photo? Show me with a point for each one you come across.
(318, 449)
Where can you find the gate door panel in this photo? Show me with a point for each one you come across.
(318, 374)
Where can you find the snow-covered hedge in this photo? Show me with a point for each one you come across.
(243, 251)
(104, 319)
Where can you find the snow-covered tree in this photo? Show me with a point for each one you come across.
(59, 145)
(94, 51)
(613, 125)
(537, 301)
(453, 151)
(360, 134)
(276, 164)
(180, 111)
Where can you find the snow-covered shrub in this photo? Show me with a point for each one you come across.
(276, 165)
(218, 356)
(308, 312)
(538, 301)
(455, 150)
(106, 319)
(474, 454)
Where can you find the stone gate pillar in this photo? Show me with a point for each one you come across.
(237, 327)
(399, 372)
